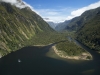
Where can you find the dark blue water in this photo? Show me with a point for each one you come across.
(35, 61)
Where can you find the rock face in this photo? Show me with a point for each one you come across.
(17, 26)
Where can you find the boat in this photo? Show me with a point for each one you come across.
(19, 60)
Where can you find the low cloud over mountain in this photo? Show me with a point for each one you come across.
(18, 3)
(79, 11)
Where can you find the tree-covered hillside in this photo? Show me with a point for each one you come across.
(89, 34)
(17, 26)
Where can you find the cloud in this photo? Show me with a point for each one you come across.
(78, 12)
(55, 15)
(20, 4)
(17, 3)
(55, 19)
(48, 20)
(59, 15)
(27, 5)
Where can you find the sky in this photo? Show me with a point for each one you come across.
(61, 10)
(58, 10)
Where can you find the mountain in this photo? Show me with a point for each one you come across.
(77, 22)
(61, 26)
(52, 24)
(89, 33)
(17, 26)
(58, 26)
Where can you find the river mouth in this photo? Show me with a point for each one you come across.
(43, 61)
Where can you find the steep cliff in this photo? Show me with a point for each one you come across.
(17, 26)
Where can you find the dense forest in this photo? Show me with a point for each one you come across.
(89, 34)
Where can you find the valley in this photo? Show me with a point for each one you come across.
(29, 45)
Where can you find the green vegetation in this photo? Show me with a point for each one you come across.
(70, 48)
(23, 27)
(47, 38)
(90, 33)
(18, 26)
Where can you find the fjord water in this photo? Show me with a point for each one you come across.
(43, 61)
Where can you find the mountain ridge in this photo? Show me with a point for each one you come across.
(61, 26)
(17, 26)
(77, 22)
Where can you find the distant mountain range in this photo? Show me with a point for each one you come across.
(58, 26)
(86, 26)
(52, 24)
(61, 26)
(77, 22)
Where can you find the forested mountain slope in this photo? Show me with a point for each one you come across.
(89, 34)
(17, 26)
(77, 22)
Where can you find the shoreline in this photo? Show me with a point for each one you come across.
(83, 56)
